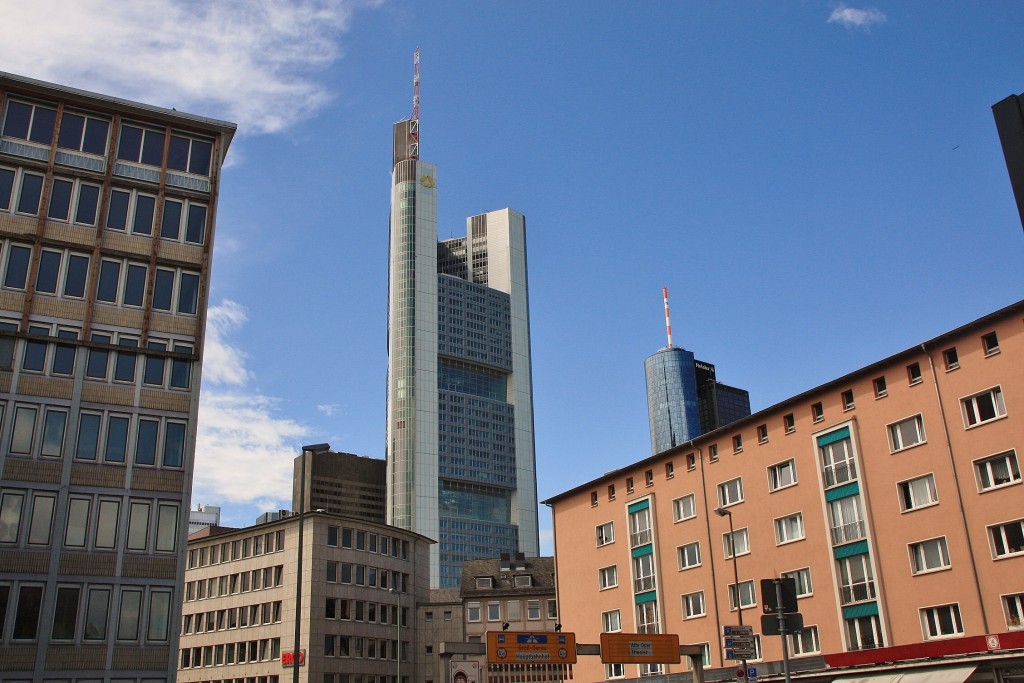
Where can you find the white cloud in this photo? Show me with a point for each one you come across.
(328, 409)
(244, 449)
(249, 61)
(852, 17)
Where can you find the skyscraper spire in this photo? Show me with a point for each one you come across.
(668, 321)
(414, 120)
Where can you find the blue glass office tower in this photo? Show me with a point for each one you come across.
(671, 398)
(460, 445)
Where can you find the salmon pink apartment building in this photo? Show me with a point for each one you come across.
(892, 496)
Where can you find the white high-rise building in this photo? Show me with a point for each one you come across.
(460, 445)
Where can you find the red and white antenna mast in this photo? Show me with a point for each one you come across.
(668, 321)
(414, 123)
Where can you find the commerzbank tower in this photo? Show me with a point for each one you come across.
(460, 447)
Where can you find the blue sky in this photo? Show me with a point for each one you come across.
(819, 186)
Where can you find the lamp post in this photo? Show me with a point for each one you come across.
(296, 653)
(398, 635)
(723, 512)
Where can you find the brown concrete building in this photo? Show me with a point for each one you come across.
(891, 495)
(343, 484)
(359, 586)
(106, 236)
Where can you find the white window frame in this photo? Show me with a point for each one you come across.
(728, 489)
(898, 438)
(1013, 608)
(684, 507)
(605, 533)
(746, 591)
(983, 470)
(473, 612)
(971, 414)
(931, 621)
(909, 490)
(1003, 540)
(799, 645)
(608, 577)
(921, 552)
(741, 537)
(694, 605)
(611, 621)
(687, 551)
(789, 524)
(802, 577)
(778, 473)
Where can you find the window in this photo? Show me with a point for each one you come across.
(693, 605)
(730, 492)
(629, 484)
(16, 267)
(837, 461)
(914, 373)
(649, 478)
(847, 398)
(930, 555)
(737, 541)
(906, 433)
(684, 508)
(643, 573)
(182, 298)
(983, 407)
(10, 516)
(131, 210)
(608, 577)
(856, 579)
(1007, 539)
(737, 443)
(713, 452)
(917, 493)
(473, 612)
(533, 610)
(138, 526)
(990, 342)
(605, 533)
(183, 219)
(484, 582)
(141, 145)
(847, 520)
(997, 471)
(1013, 605)
(83, 133)
(941, 622)
(762, 433)
(647, 617)
(789, 423)
(879, 385)
(691, 461)
(494, 611)
(950, 359)
(670, 469)
(789, 528)
(593, 498)
(611, 491)
(73, 200)
(817, 412)
(781, 475)
(611, 621)
(26, 616)
(802, 578)
(746, 595)
(614, 671)
(804, 641)
(640, 527)
(31, 122)
(689, 555)
(189, 155)
(96, 610)
(864, 633)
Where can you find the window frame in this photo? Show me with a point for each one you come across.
(897, 436)
(688, 600)
(775, 471)
(608, 577)
(683, 555)
(919, 560)
(983, 465)
(724, 496)
(879, 387)
(931, 618)
(680, 510)
(905, 491)
(605, 533)
(969, 407)
(782, 526)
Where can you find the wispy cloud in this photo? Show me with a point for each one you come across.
(853, 17)
(253, 62)
(328, 409)
(244, 448)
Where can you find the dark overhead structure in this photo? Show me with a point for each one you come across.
(1009, 116)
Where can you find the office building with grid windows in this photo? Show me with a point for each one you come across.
(106, 234)
(891, 496)
(460, 445)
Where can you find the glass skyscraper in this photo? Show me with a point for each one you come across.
(460, 447)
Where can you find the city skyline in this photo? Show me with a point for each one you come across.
(769, 166)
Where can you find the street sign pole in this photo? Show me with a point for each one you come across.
(782, 628)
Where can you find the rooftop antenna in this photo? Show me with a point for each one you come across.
(668, 322)
(414, 122)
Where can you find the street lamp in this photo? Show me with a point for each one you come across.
(296, 654)
(398, 634)
(723, 512)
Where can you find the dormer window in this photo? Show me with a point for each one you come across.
(484, 582)
(523, 581)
